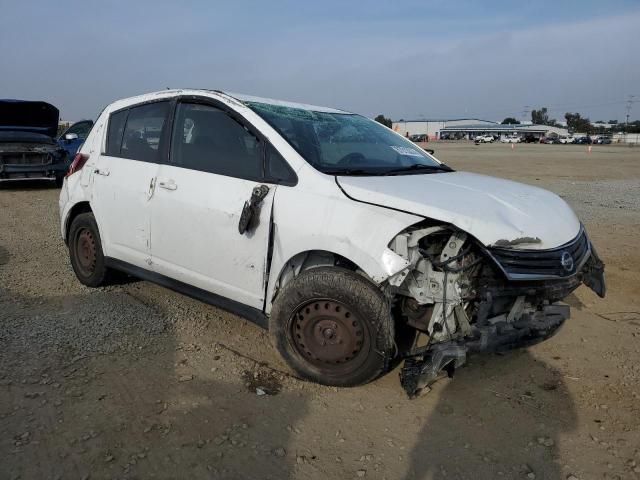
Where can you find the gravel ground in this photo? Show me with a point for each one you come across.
(135, 381)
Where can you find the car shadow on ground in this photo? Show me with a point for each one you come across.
(23, 185)
(85, 393)
(511, 428)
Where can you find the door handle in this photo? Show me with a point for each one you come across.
(168, 185)
(104, 173)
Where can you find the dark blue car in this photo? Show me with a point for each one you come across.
(29, 146)
(73, 137)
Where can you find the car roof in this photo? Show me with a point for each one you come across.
(283, 103)
(228, 97)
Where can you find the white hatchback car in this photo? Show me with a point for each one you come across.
(484, 139)
(342, 237)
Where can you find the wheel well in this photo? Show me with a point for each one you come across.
(77, 209)
(311, 259)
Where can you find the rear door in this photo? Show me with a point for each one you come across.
(215, 163)
(124, 180)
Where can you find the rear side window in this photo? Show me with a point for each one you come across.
(206, 138)
(143, 131)
(115, 131)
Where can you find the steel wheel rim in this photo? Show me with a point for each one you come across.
(330, 336)
(86, 251)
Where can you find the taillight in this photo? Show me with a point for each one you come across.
(78, 162)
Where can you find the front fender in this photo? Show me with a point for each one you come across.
(356, 231)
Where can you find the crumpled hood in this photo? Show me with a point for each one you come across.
(497, 212)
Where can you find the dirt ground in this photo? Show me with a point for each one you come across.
(135, 381)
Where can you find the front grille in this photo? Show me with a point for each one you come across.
(560, 262)
(25, 158)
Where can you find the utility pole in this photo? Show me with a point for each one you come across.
(628, 108)
(525, 112)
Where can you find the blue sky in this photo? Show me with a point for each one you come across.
(406, 59)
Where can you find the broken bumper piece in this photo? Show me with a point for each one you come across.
(423, 367)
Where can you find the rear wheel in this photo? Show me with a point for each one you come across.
(85, 251)
(334, 327)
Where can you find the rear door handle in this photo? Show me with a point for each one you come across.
(104, 173)
(168, 185)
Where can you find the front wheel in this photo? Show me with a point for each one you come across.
(334, 327)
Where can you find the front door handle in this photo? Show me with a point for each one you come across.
(168, 185)
(103, 172)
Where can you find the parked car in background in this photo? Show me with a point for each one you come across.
(603, 140)
(510, 139)
(419, 138)
(564, 139)
(584, 140)
(484, 139)
(530, 139)
(28, 146)
(550, 140)
(74, 136)
(246, 202)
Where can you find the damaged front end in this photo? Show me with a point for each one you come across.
(465, 298)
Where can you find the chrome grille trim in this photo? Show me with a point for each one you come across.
(543, 264)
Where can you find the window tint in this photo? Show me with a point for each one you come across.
(207, 139)
(141, 139)
(278, 170)
(114, 132)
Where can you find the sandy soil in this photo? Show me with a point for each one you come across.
(135, 381)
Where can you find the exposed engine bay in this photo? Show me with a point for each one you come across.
(463, 297)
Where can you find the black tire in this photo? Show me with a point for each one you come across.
(334, 327)
(85, 251)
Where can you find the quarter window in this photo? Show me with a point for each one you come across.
(115, 131)
(206, 138)
(278, 170)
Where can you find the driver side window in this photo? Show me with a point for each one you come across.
(81, 129)
(207, 139)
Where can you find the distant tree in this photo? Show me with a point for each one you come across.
(541, 117)
(384, 121)
(510, 121)
(613, 122)
(576, 123)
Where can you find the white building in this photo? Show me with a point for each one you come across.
(432, 127)
(470, 127)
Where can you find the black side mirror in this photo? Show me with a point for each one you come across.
(252, 208)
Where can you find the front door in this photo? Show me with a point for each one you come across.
(214, 166)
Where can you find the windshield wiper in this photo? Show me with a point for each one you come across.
(417, 167)
(347, 171)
